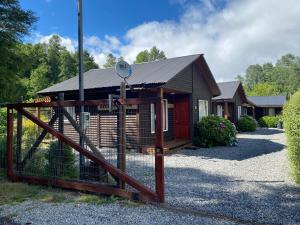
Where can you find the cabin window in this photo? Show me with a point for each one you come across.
(203, 108)
(271, 111)
(71, 111)
(164, 116)
(220, 110)
(239, 111)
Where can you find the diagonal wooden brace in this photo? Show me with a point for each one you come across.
(99, 161)
(38, 141)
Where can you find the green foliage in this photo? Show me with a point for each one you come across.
(3, 151)
(2, 121)
(291, 118)
(14, 24)
(214, 131)
(149, 56)
(268, 79)
(111, 61)
(263, 89)
(268, 121)
(61, 164)
(246, 123)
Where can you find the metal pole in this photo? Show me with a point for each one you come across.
(81, 81)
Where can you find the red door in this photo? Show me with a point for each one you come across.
(182, 118)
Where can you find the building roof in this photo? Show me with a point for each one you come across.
(267, 101)
(229, 89)
(157, 72)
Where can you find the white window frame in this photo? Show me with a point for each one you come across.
(152, 118)
(205, 113)
(165, 117)
(220, 110)
(239, 111)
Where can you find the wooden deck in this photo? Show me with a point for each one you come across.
(169, 146)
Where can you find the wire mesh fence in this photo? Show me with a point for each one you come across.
(119, 138)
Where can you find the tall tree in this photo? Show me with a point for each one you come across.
(68, 65)
(14, 24)
(39, 79)
(89, 61)
(53, 57)
(111, 61)
(148, 56)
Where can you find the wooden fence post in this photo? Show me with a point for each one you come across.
(159, 151)
(9, 147)
(60, 169)
(19, 139)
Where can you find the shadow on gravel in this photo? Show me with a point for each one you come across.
(247, 148)
(262, 202)
(264, 131)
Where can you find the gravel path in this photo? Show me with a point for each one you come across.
(249, 182)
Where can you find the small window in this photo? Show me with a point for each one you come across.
(165, 119)
(271, 111)
(239, 111)
(152, 115)
(220, 110)
(203, 108)
(165, 115)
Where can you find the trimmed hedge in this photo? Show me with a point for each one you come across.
(268, 121)
(246, 123)
(291, 120)
(214, 131)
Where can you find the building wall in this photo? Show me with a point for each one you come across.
(190, 80)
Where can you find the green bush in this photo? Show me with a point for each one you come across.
(246, 123)
(291, 120)
(55, 158)
(214, 131)
(3, 151)
(268, 121)
(2, 121)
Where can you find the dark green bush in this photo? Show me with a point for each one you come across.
(2, 151)
(268, 121)
(291, 120)
(246, 123)
(61, 164)
(214, 131)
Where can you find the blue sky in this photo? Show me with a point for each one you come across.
(101, 17)
(232, 34)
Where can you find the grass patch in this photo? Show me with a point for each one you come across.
(12, 193)
(96, 200)
(2, 174)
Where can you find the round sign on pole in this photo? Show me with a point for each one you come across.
(123, 69)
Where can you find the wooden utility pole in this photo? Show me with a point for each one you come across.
(81, 82)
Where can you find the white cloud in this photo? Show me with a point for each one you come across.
(69, 43)
(242, 33)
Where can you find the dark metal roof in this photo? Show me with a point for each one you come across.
(228, 90)
(267, 101)
(157, 72)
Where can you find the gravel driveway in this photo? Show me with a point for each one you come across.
(249, 182)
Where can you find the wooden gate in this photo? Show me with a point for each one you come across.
(43, 148)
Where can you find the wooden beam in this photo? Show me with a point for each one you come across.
(99, 161)
(9, 147)
(38, 141)
(159, 150)
(82, 186)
